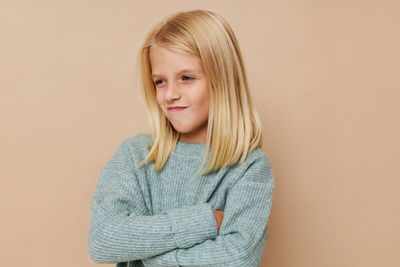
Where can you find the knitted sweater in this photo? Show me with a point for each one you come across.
(143, 218)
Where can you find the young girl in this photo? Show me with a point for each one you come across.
(154, 203)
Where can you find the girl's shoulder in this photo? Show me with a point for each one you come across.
(258, 155)
(134, 148)
(140, 139)
(257, 167)
(138, 143)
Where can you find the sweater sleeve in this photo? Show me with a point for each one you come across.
(243, 232)
(121, 226)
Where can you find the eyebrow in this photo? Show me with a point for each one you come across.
(179, 72)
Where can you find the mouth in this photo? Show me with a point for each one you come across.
(176, 108)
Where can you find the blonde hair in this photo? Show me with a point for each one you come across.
(234, 127)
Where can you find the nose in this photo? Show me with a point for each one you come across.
(172, 93)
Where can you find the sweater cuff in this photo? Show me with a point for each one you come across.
(193, 225)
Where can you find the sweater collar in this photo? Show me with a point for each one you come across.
(189, 150)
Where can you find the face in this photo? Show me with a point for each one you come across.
(180, 82)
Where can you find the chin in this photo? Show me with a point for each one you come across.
(182, 130)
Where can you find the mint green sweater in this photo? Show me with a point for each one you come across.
(143, 218)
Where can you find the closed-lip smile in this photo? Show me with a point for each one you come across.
(176, 108)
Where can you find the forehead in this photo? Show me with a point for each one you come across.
(166, 60)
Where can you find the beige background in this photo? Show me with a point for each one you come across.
(324, 76)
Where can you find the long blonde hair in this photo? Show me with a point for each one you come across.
(234, 127)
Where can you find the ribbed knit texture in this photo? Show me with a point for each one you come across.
(144, 218)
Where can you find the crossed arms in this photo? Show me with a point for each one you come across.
(122, 229)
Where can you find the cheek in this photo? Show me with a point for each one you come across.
(204, 103)
(202, 95)
(160, 103)
(206, 108)
(158, 98)
(205, 98)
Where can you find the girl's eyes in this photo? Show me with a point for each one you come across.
(184, 77)
(188, 77)
(157, 82)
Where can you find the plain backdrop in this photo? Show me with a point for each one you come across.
(324, 76)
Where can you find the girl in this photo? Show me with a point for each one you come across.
(154, 203)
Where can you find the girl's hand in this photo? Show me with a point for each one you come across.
(219, 216)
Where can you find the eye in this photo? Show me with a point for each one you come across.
(187, 78)
(156, 82)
